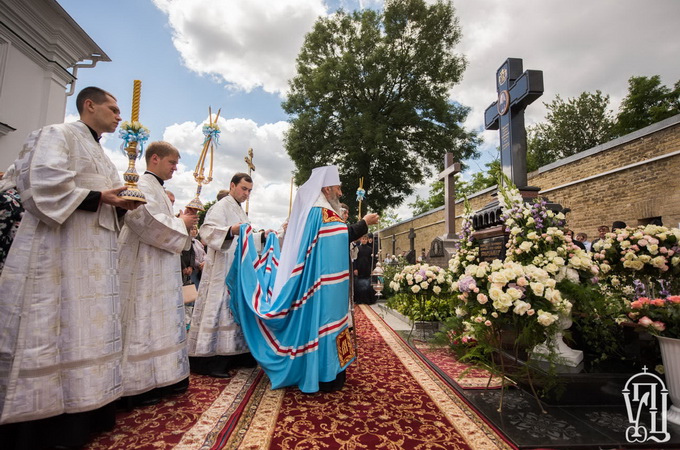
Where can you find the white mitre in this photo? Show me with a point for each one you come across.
(305, 199)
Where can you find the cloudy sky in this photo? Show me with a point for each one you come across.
(238, 56)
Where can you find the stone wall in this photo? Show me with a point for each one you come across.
(633, 178)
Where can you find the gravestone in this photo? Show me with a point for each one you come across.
(516, 90)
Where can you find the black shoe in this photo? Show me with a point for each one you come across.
(176, 389)
(246, 360)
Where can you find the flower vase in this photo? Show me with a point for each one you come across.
(564, 354)
(670, 354)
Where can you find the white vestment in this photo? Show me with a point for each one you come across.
(213, 330)
(154, 333)
(60, 336)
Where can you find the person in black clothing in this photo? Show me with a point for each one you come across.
(363, 267)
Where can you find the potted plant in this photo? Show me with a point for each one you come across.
(661, 318)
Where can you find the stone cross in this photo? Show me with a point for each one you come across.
(448, 175)
(411, 238)
(516, 90)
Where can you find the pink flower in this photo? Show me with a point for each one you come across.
(658, 302)
(642, 243)
(658, 326)
(674, 298)
(488, 323)
(645, 321)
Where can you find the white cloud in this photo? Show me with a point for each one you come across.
(246, 44)
(273, 167)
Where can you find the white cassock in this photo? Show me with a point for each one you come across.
(154, 333)
(60, 336)
(213, 330)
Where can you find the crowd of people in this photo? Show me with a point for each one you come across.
(93, 316)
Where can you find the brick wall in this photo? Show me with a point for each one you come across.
(631, 178)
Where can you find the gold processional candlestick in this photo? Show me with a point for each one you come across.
(251, 167)
(132, 133)
(211, 131)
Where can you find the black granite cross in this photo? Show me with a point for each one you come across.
(516, 90)
(448, 175)
(412, 238)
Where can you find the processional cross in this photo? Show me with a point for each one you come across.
(251, 167)
(516, 90)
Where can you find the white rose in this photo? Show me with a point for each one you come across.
(436, 289)
(424, 285)
(537, 288)
(545, 318)
(521, 307)
(525, 246)
(415, 288)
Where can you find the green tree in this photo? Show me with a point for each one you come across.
(647, 102)
(478, 181)
(570, 127)
(371, 95)
(201, 214)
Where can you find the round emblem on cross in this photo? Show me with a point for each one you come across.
(503, 102)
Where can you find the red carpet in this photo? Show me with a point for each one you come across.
(392, 400)
(465, 376)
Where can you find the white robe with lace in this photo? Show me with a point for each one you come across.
(213, 330)
(60, 336)
(154, 334)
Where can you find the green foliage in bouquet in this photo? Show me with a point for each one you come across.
(421, 290)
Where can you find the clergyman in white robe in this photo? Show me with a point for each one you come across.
(213, 331)
(60, 335)
(154, 333)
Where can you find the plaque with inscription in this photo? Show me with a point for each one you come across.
(492, 248)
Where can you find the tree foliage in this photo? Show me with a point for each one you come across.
(570, 127)
(647, 102)
(371, 95)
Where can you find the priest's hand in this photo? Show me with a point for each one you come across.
(266, 233)
(371, 219)
(189, 217)
(110, 197)
(236, 229)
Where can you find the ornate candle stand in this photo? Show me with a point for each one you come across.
(132, 133)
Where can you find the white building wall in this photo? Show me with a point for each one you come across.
(39, 46)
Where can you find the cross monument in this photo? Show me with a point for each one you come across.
(448, 175)
(516, 90)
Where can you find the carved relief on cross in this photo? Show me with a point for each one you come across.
(516, 90)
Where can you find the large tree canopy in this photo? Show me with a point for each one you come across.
(570, 127)
(371, 95)
(647, 102)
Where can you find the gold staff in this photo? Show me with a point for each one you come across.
(251, 167)
(211, 131)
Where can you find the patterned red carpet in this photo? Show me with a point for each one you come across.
(465, 376)
(392, 400)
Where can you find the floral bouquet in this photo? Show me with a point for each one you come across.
(419, 290)
(537, 237)
(131, 132)
(659, 316)
(467, 248)
(645, 253)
